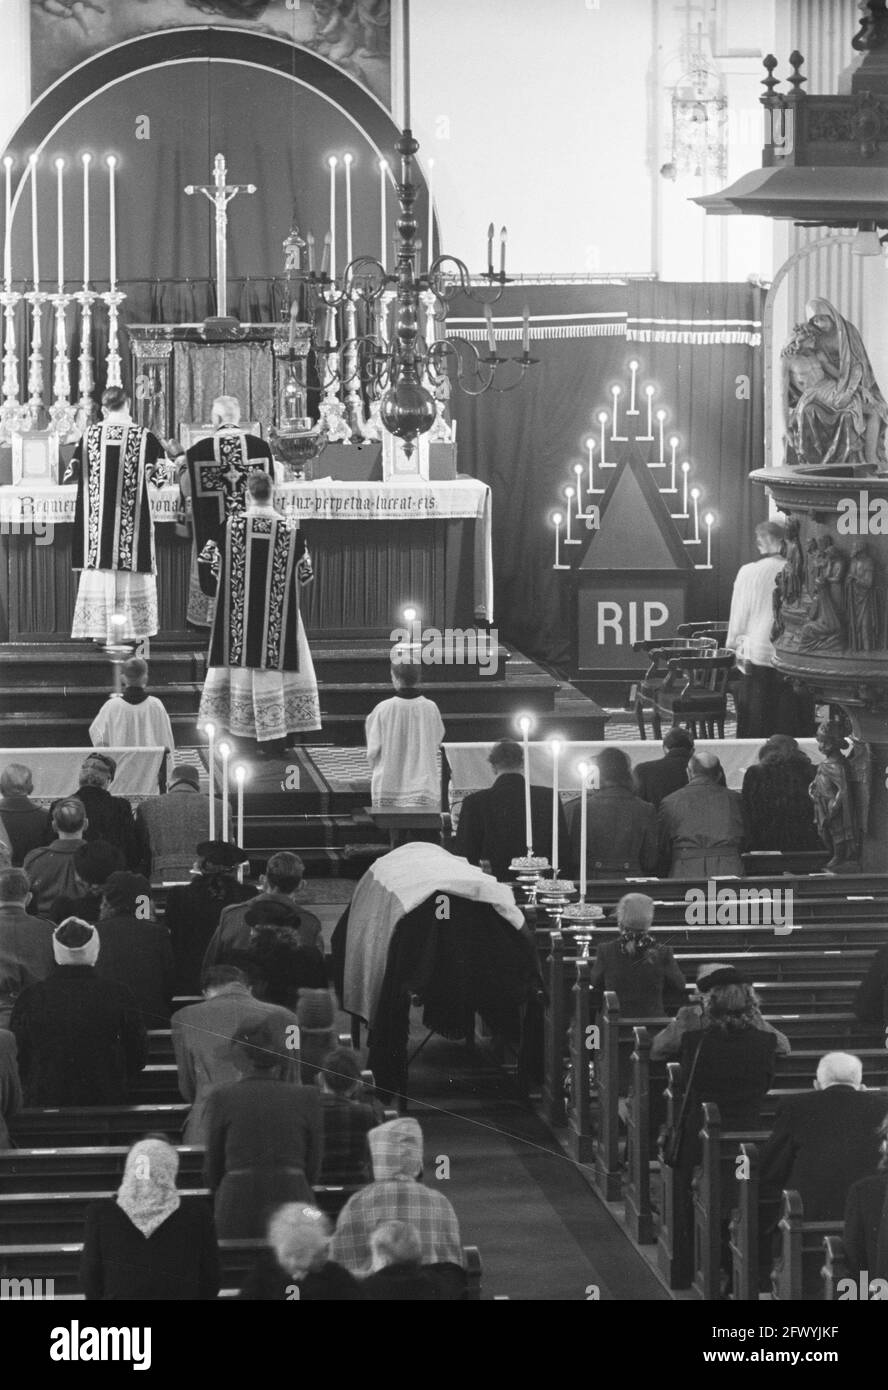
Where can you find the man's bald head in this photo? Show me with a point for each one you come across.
(705, 764)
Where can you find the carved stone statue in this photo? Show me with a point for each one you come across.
(840, 795)
(862, 601)
(833, 408)
(794, 573)
(825, 625)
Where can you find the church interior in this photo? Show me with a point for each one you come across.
(444, 641)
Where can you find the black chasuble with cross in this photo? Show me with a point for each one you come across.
(217, 469)
(112, 466)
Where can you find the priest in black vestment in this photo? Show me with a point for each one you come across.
(213, 482)
(261, 682)
(113, 544)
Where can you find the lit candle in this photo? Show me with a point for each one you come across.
(673, 445)
(633, 368)
(383, 172)
(709, 519)
(112, 223)
(524, 726)
(556, 522)
(695, 498)
(86, 159)
(556, 749)
(210, 730)
(602, 420)
(332, 162)
(7, 241)
(490, 249)
(578, 470)
(348, 209)
(502, 250)
(661, 416)
(60, 219)
(583, 770)
(430, 186)
(330, 329)
(525, 330)
(568, 539)
(649, 392)
(35, 249)
(491, 335)
(685, 470)
(310, 243)
(225, 754)
(240, 773)
(615, 392)
(590, 446)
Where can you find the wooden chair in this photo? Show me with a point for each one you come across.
(644, 694)
(695, 692)
(713, 629)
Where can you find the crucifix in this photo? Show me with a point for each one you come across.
(220, 195)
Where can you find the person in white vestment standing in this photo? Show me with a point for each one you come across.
(260, 682)
(133, 719)
(113, 543)
(404, 735)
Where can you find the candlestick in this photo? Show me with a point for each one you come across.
(332, 161)
(583, 770)
(490, 250)
(491, 335)
(112, 223)
(616, 437)
(524, 726)
(35, 239)
(708, 522)
(590, 448)
(661, 461)
(673, 445)
(240, 773)
(685, 469)
(383, 249)
(225, 754)
(578, 471)
(568, 538)
(430, 185)
(695, 498)
(35, 359)
(556, 522)
(503, 235)
(649, 392)
(113, 299)
(210, 731)
(525, 330)
(633, 369)
(60, 221)
(326, 257)
(602, 420)
(7, 227)
(86, 161)
(348, 212)
(556, 749)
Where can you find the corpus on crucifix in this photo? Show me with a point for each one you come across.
(220, 194)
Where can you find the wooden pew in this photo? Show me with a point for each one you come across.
(800, 1261)
(743, 1237)
(555, 1026)
(76, 1126)
(639, 1213)
(615, 1035)
(674, 1237)
(84, 1169)
(835, 1267)
(720, 1149)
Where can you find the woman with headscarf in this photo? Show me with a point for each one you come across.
(146, 1243)
(776, 802)
(298, 1264)
(640, 971)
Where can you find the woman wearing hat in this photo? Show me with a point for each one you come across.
(264, 1136)
(146, 1243)
(668, 1042)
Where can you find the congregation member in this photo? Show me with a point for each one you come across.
(316, 1016)
(264, 1136)
(396, 1264)
(108, 817)
(397, 1194)
(404, 735)
(134, 949)
(348, 1119)
(871, 1000)
(701, 827)
(23, 824)
(173, 824)
(200, 1033)
(276, 962)
(146, 1244)
(133, 719)
(113, 533)
(667, 1044)
(298, 1265)
(260, 681)
(621, 829)
(50, 869)
(26, 955)
(658, 778)
(639, 969)
(492, 827)
(193, 909)
(866, 1219)
(94, 862)
(10, 1085)
(776, 800)
(281, 883)
(80, 1037)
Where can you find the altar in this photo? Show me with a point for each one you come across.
(375, 548)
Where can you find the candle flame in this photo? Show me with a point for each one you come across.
(685, 467)
(59, 164)
(555, 744)
(673, 441)
(86, 158)
(568, 492)
(332, 161)
(661, 414)
(695, 492)
(602, 417)
(709, 518)
(240, 773)
(209, 730)
(557, 519)
(633, 366)
(525, 724)
(347, 159)
(224, 750)
(649, 390)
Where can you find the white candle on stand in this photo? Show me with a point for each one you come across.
(695, 498)
(112, 223)
(578, 470)
(649, 392)
(60, 218)
(556, 522)
(383, 171)
(661, 416)
(210, 730)
(583, 770)
(524, 726)
(568, 539)
(633, 368)
(590, 445)
(240, 773)
(35, 238)
(429, 184)
(348, 209)
(685, 470)
(673, 445)
(615, 429)
(7, 240)
(86, 159)
(225, 754)
(602, 420)
(556, 749)
(332, 162)
(709, 519)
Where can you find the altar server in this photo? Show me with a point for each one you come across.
(261, 682)
(133, 719)
(213, 486)
(113, 543)
(404, 735)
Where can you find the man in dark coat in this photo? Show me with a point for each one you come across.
(80, 1038)
(193, 911)
(94, 863)
(702, 828)
(279, 884)
(492, 823)
(27, 825)
(655, 779)
(621, 833)
(824, 1141)
(108, 817)
(25, 941)
(51, 869)
(133, 949)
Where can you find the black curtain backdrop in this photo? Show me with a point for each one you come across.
(525, 443)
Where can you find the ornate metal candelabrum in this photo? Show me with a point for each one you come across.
(113, 298)
(62, 413)
(14, 416)
(85, 378)
(36, 299)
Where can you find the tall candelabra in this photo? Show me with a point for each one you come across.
(62, 413)
(13, 415)
(36, 299)
(85, 379)
(113, 298)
